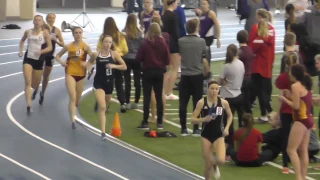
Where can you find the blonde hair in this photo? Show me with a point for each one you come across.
(265, 14)
(290, 59)
(263, 28)
(156, 19)
(153, 31)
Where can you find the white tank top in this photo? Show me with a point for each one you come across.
(35, 43)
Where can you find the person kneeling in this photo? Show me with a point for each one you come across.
(247, 142)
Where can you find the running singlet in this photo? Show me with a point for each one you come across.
(304, 115)
(146, 20)
(35, 44)
(76, 55)
(104, 75)
(213, 129)
(52, 35)
(206, 25)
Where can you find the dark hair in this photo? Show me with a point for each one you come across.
(242, 36)
(110, 28)
(290, 11)
(75, 28)
(192, 25)
(232, 51)
(299, 73)
(212, 82)
(247, 124)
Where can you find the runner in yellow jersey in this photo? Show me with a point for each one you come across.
(75, 68)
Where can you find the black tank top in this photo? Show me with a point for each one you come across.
(52, 33)
(104, 75)
(217, 113)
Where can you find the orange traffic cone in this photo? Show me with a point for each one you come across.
(116, 129)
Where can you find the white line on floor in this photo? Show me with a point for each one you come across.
(24, 167)
(11, 117)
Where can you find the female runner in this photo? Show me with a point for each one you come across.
(211, 110)
(146, 15)
(34, 57)
(56, 38)
(300, 102)
(106, 61)
(75, 69)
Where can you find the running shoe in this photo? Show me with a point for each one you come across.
(73, 125)
(29, 110)
(41, 98)
(34, 94)
(216, 172)
(103, 136)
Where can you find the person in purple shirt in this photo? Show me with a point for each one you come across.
(147, 14)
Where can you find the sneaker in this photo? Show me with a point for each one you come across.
(263, 119)
(184, 132)
(159, 126)
(216, 172)
(29, 110)
(123, 109)
(196, 133)
(128, 106)
(285, 170)
(172, 97)
(228, 159)
(34, 94)
(41, 98)
(134, 106)
(73, 125)
(143, 127)
(103, 136)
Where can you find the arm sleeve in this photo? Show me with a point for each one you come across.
(224, 72)
(123, 45)
(260, 138)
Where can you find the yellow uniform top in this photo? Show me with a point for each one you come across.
(76, 55)
(121, 47)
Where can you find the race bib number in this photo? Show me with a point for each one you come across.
(108, 72)
(219, 111)
(78, 52)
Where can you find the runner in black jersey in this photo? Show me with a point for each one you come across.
(56, 38)
(210, 111)
(106, 61)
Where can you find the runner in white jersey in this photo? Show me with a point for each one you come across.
(34, 56)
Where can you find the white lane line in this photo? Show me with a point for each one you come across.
(24, 167)
(135, 149)
(68, 40)
(17, 73)
(2, 54)
(11, 117)
(178, 126)
(10, 62)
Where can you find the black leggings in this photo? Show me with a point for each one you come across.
(246, 90)
(264, 156)
(152, 78)
(189, 86)
(262, 90)
(236, 104)
(118, 80)
(133, 65)
(286, 123)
